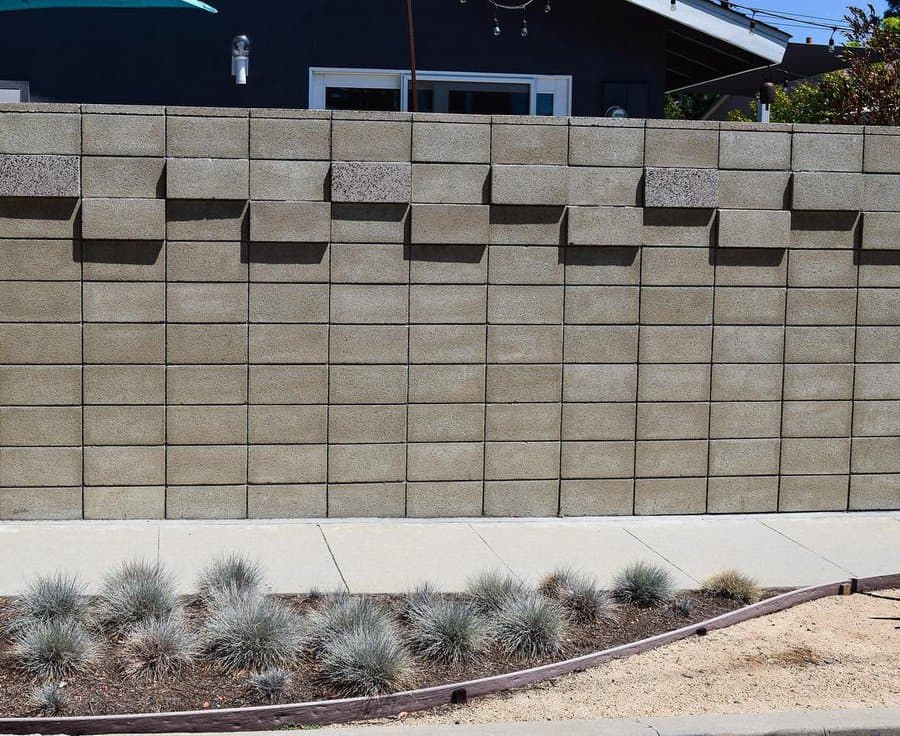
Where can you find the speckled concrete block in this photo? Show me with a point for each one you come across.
(25, 175)
(754, 229)
(363, 181)
(681, 188)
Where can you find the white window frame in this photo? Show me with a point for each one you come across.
(22, 90)
(560, 86)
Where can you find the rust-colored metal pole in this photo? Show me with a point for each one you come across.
(414, 92)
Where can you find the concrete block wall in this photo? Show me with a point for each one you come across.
(228, 313)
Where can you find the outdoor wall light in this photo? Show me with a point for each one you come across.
(240, 59)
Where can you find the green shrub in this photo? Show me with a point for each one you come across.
(733, 585)
(252, 633)
(271, 684)
(50, 699)
(229, 576)
(158, 649)
(365, 662)
(340, 614)
(580, 596)
(643, 584)
(529, 626)
(446, 631)
(50, 598)
(134, 593)
(53, 650)
(490, 591)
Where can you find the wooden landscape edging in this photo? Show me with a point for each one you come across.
(325, 712)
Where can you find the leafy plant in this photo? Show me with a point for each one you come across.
(340, 615)
(733, 585)
(643, 584)
(271, 684)
(50, 699)
(365, 662)
(490, 591)
(53, 650)
(529, 626)
(134, 593)
(50, 598)
(683, 607)
(580, 596)
(232, 575)
(446, 631)
(158, 649)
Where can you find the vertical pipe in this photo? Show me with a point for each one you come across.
(414, 106)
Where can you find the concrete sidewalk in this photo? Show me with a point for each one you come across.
(389, 556)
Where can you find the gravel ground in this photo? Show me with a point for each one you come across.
(832, 653)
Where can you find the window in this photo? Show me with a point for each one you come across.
(14, 91)
(454, 92)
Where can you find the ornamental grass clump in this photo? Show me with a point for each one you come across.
(365, 662)
(529, 626)
(252, 633)
(53, 650)
(447, 632)
(580, 596)
(423, 595)
(158, 649)
(643, 584)
(490, 591)
(228, 576)
(341, 614)
(134, 593)
(49, 699)
(733, 585)
(271, 684)
(50, 598)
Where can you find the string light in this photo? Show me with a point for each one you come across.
(831, 41)
(513, 5)
(524, 31)
(497, 30)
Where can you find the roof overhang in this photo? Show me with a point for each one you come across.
(723, 24)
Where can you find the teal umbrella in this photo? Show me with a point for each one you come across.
(6, 5)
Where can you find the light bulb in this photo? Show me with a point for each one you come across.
(524, 28)
(496, 27)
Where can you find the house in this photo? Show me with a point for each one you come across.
(581, 58)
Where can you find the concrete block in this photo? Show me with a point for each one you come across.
(446, 383)
(34, 260)
(676, 267)
(124, 384)
(666, 496)
(451, 142)
(601, 344)
(817, 268)
(682, 148)
(359, 304)
(524, 343)
(289, 180)
(288, 302)
(754, 229)
(674, 382)
(525, 264)
(606, 145)
(875, 455)
(366, 424)
(736, 305)
(117, 260)
(40, 343)
(446, 423)
(755, 190)
(603, 186)
(288, 343)
(122, 301)
(755, 150)
(679, 305)
(125, 502)
(874, 492)
(290, 139)
(512, 225)
(124, 425)
(206, 425)
(24, 504)
(825, 229)
(672, 421)
(438, 304)
(815, 456)
(299, 501)
(670, 458)
(199, 464)
(813, 493)
(29, 301)
(207, 344)
(361, 181)
(207, 178)
(39, 217)
(206, 220)
(441, 461)
(881, 192)
(123, 135)
(206, 502)
(533, 144)
(525, 305)
(24, 175)
(521, 422)
(521, 461)
(447, 343)
(597, 460)
(823, 382)
(444, 500)
(666, 344)
(123, 219)
(744, 457)
(366, 463)
(746, 382)
(877, 344)
(882, 154)
(876, 418)
(450, 224)
(598, 421)
(681, 188)
(824, 152)
(827, 191)
(206, 303)
(369, 223)
(617, 382)
(121, 176)
(517, 383)
(31, 132)
(371, 140)
(821, 306)
(191, 136)
(818, 344)
(450, 183)
(209, 384)
(287, 463)
(124, 466)
(521, 498)
(816, 418)
(40, 426)
(596, 497)
(530, 184)
(367, 344)
(759, 267)
(32, 385)
(370, 500)
(363, 384)
(285, 263)
(41, 466)
(297, 222)
(881, 231)
(744, 344)
(745, 419)
(353, 263)
(442, 264)
(601, 305)
(618, 226)
(743, 495)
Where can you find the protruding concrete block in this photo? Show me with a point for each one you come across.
(606, 186)
(298, 222)
(605, 143)
(123, 219)
(617, 226)
(363, 181)
(530, 144)
(40, 132)
(450, 224)
(450, 183)
(755, 150)
(881, 230)
(680, 147)
(828, 152)
(881, 192)
(123, 135)
(882, 153)
(754, 229)
(681, 188)
(193, 136)
(24, 175)
(123, 176)
(370, 139)
(290, 139)
(457, 142)
(530, 184)
(207, 178)
(828, 191)
(289, 180)
(755, 190)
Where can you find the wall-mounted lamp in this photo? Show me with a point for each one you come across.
(240, 59)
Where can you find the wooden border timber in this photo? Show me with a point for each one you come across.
(324, 712)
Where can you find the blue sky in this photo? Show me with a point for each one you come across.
(824, 8)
